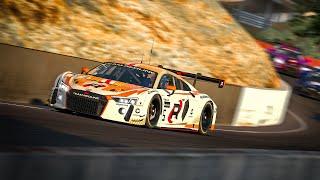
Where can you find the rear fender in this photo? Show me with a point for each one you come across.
(201, 102)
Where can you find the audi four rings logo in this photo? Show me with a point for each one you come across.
(85, 95)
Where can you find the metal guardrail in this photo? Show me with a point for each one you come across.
(117, 164)
(251, 19)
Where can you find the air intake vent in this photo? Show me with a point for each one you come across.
(86, 102)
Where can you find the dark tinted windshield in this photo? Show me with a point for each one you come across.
(289, 53)
(314, 77)
(126, 74)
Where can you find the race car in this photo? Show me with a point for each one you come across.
(311, 65)
(287, 59)
(309, 84)
(137, 94)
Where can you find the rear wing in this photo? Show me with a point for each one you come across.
(197, 76)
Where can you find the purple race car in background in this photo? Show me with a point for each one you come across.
(287, 59)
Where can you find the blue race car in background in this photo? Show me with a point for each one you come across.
(309, 84)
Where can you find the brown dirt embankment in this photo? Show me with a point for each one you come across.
(196, 36)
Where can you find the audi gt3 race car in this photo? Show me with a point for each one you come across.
(137, 94)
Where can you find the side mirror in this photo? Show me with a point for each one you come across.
(171, 88)
(84, 70)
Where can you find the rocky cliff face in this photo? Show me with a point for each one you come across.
(196, 36)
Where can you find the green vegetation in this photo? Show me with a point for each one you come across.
(302, 31)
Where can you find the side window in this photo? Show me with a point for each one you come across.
(166, 80)
(178, 83)
(185, 86)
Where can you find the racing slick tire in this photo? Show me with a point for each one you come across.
(206, 119)
(154, 111)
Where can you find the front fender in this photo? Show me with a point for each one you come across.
(60, 78)
(146, 97)
(57, 91)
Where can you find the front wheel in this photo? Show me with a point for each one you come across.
(206, 119)
(154, 111)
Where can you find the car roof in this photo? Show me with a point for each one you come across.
(149, 67)
(156, 69)
(160, 70)
(153, 68)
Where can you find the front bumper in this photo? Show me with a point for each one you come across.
(85, 102)
(97, 105)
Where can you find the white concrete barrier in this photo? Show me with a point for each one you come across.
(262, 107)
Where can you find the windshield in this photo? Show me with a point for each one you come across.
(315, 77)
(126, 74)
(289, 53)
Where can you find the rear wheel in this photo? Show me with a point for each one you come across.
(206, 119)
(154, 111)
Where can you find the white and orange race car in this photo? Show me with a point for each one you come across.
(137, 94)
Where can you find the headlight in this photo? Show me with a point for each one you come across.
(314, 83)
(278, 60)
(305, 69)
(63, 87)
(132, 101)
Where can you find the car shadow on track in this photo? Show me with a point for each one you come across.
(18, 133)
(37, 102)
(165, 130)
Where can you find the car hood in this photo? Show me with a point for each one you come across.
(104, 86)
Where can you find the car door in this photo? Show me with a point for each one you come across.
(175, 102)
(183, 91)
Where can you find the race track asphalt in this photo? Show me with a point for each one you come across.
(33, 126)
